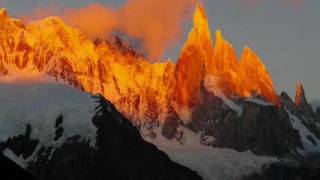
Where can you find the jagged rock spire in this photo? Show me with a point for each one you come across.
(300, 95)
(200, 35)
(219, 42)
(3, 12)
(200, 32)
(257, 75)
(225, 57)
(191, 65)
(301, 101)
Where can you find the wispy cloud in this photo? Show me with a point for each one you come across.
(157, 23)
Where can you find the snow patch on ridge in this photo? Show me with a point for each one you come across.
(259, 102)
(18, 160)
(211, 163)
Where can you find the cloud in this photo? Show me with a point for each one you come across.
(157, 23)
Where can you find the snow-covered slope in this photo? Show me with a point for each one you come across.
(39, 105)
(211, 163)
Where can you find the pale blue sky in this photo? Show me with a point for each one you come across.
(286, 37)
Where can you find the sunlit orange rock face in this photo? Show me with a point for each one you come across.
(299, 94)
(141, 90)
(190, 70)
(200, 58)
(112, 68)
(255, 77)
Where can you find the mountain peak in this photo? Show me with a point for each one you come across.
(190, 69)
(200, 31)
(300, 95)
(249, 57)
(200, 17)
(51, 22)
(219, 39)
(224, 53)
(3, 12)
(260, 79)
(247, 50)
(220, 44)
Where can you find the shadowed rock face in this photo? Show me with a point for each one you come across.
(317, 115)
(268, 129)
(285, 171)
(288, 102)
(262, 129)
(21, 145)
(170, 126)
(119, 153)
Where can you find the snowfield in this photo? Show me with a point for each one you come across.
(40, 105)
(259, 102)
(210, 163)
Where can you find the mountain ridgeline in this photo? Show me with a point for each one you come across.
(114, 69)
(228, 104)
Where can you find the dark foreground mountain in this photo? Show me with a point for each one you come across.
(118, 151)
(11, 170)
